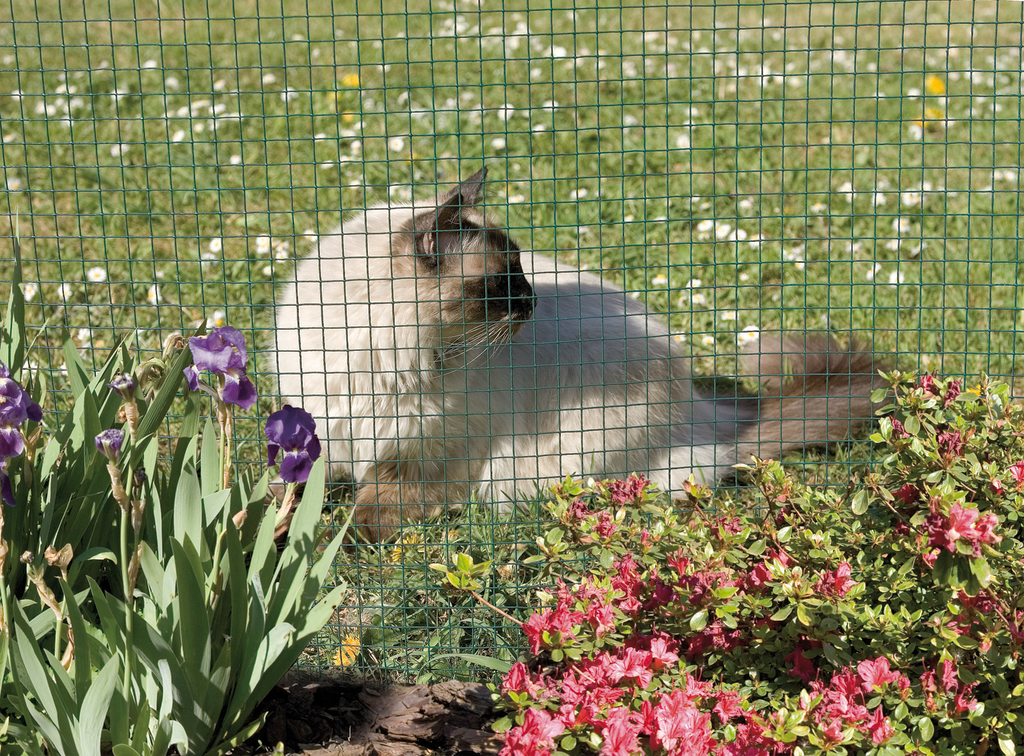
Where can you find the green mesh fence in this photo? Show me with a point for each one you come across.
(739, 167)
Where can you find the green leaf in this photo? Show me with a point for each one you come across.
(156, 412)
(94, 708)
(1005, 740)
(783, 613)
(77, 376)
(926, 728)
(699, 620)
(489, 662)
(194, 622)
(860, 502)
(209, 459)
(12, 339)
(187, 506)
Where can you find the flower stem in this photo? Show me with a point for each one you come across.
(227, 430)
(129, 633)
(493, 608)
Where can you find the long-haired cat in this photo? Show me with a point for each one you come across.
(441, 360)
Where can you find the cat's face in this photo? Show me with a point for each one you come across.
(468, 274)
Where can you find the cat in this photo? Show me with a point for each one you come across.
(441, 361)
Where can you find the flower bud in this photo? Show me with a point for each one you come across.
(124, 385)
(109, 444)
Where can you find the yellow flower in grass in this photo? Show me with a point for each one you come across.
(410, 542)
(935, 85)
(348, 651)
(350, 80)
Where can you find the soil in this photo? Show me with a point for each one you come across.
(337, 718)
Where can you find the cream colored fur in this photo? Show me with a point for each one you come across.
(592, 385)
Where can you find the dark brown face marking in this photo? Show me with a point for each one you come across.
(471, 271)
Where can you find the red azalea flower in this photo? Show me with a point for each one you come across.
(952, 392)
(802, 666)
(927, 384)
(836, 582)
(951, 444)
(898, 431)
(625, 492)
(908, 493)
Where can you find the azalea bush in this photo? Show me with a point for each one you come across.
(148, 601)
(884, 618)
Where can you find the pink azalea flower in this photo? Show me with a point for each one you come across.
(680, 728)
(1017, 473)
(619, 733)
(535, 737)
(966, 524)
(879, 727)
(875, 673)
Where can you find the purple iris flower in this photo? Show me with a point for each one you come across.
(222, 352)
(16, 406)
(109, 443)
(292, 430)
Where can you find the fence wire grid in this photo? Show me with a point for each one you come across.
(738, 167)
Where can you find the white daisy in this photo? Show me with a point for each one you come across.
(96, 275)
(29, 290)
(707, 340)
(235, 160)
(748, 335)
(728, 315)
(659, 280)
(153, 295)
(498, 143)
(65, 292)
(219, 318)
(116, 150)
(901, 226)
(216, 244)
(396, 144)
(262, 244)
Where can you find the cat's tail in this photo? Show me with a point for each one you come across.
(813, 392)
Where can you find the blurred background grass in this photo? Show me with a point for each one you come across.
(852, 166)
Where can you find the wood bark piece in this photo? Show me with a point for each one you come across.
(326, 718)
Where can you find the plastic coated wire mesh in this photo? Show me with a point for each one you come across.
(852, 166)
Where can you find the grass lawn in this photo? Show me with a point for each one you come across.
(852, 166)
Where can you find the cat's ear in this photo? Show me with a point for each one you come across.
(438, 231)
